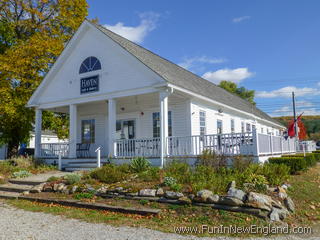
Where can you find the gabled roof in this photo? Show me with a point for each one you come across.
(183, 78)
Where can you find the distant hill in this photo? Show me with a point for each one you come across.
(311, 123)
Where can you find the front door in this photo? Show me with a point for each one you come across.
(125, 129)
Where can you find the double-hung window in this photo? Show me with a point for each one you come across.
(232, 126)
(242, 127)
(248, 127)
(202, 122)
(156, 124)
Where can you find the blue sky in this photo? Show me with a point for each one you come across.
(270, 46)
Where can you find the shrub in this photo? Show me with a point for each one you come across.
(295, 163)
(110, 173)
(72, 178)
(179, 171)
(241, 162)
(84, 195)
(316, 156)
(21, 174)
(276, 174)
(139, 164)
(310, 158)
(210, 159)
(53, 179)
(22, 162)
(6, 168)
(152, 174)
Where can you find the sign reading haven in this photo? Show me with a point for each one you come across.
(89, 84)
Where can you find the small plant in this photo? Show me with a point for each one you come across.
(84, 195)
(72, 178)
(21, 174)
(152, 174)
(169, 181)
(110, 173)
(139, 164)
(53, 179)
(176, 187)
(143, 202)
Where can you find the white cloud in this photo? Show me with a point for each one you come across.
(240, 19)
(148, 22)
(286, 92)
(191, 62)
(234, 75)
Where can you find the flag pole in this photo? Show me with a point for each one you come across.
(294, 114)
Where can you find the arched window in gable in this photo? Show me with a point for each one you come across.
(90, 64)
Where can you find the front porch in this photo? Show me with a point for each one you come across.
(251, 143)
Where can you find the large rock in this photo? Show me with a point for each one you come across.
(232, 184)
(213, 198)
(258, 200)
(73, 189)
(204, 194)
(147, 192)
(47, 188)
(60, 187)
(230, 201)
(160, 192)
(236, 193)
(278, 214)
(173, 195)
(289, 204)
(37, 188)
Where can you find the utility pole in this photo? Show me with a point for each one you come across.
(294, 115)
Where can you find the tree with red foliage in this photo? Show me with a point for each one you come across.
(302, 133)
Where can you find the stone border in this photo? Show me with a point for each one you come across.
(94, 206)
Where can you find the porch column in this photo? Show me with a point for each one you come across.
(163, 97)
(38, 130)
(73, 131)
(112, 118)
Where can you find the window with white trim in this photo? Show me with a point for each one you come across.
(202, 122)
(242, 127)
(156, 124)
(232, 126)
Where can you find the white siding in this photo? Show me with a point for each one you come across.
(3, 152)
(225, 116)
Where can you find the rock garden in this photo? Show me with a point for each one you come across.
(259, 190)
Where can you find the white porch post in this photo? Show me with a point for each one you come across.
(163, 126)
(255, 136)
(112, 118)
(73, 131)
(38, 130)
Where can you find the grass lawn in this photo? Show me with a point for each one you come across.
(305, 192)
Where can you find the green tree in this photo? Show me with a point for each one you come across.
(32, 35)
(240, 91)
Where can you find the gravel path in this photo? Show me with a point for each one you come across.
(19, 224)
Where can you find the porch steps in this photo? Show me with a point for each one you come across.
(84, 165)
(9, 195)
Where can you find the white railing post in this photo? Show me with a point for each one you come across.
(255, 137)
(271, 147)
(281, 145)
(59, 161)
(98, 151)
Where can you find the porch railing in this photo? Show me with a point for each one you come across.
(52, 150)
(145, 147)
(227, 144)
(269, 144)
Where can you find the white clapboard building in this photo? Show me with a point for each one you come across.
(131, 102)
